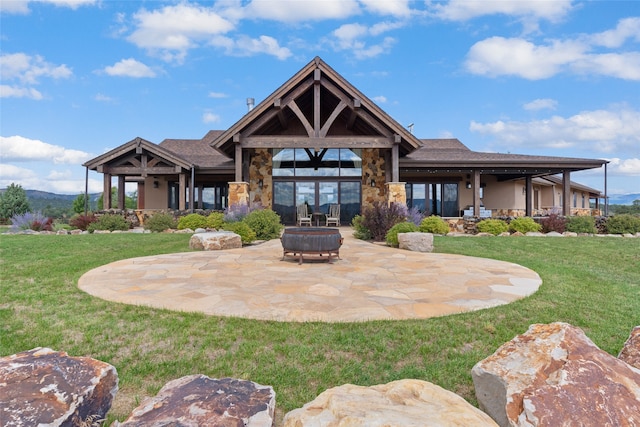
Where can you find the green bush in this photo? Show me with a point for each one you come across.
(402, 227)
(265, 223)
(241, 228)
(434, 224)
(625, 223)
(160, 222)
(493, 226)
(524, 225)
(215, 220)
(359, 230)
(582, 224)
(109, 222)
(192, 221)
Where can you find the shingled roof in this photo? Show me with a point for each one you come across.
(199, 152)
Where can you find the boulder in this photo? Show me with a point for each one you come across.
(630, 353)
(416, 241)
(553, 375)
(197, 400)
(215, 241)
(43, 387)
(400, 403)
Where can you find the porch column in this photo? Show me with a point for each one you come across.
(141, 195)
(238, 194)
(121, 187)
(395, 160)
(396, 193)
(106, 192)
(566, 193)
(528, 194)
(182, 192)
(200, 194)
(475, 184)
(238, 159)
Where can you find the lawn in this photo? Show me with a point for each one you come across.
(590, 282)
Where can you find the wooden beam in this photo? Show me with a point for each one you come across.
(475, 184)
(136, 171)
(566, 193)
(528, 191)
(287, 141)
(182, 191)
(332, 118)
(294, 107)
(106, 191)
(121, 186)
(281, 118)
(238, 163)
(316, 105)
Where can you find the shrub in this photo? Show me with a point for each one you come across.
(160, 222)
(82, 222)
(434, 224)
(247, 235)
(109, 222)
(236, 213)
(359, 230)
(31, 221)
(582, 224)
(13, 201)
(380, 217)
(192, 221)
(215, 220)
(621, 224)
(554, 222)
(415, 216)
(265, 223)
(401, 227)
(524, 225)
(493, 226)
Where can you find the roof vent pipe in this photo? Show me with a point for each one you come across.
(250, 103)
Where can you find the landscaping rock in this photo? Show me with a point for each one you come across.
(416, 241)
(399, 403)
(215, 241)
(553, 375)
(197, 400)
(555, 234)
(534, 234)
(631, 351)
(570, 234)
(43, 387)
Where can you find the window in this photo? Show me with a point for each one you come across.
(433, 198)
(326, 162)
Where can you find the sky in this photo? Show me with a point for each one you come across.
(81, 77)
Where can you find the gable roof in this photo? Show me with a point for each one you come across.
(199, 153)
(133, 147)
(316, 87)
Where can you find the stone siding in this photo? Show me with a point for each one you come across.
(261, 168)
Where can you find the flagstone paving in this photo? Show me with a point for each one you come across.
(369, 281)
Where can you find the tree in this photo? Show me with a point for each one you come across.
(78, 204)
(13, 201)
(129, 203)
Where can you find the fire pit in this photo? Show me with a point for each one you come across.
(301, 241)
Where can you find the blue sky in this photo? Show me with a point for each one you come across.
(80, 77)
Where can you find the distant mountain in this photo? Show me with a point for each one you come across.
(51, 203)
(623, 199)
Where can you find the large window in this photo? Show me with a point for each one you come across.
(326, 162)
(433, 198)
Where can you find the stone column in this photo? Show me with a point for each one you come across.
(396, 193)
(238, 194)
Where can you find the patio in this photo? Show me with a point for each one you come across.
(368, 282)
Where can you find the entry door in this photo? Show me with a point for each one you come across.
(318, 195)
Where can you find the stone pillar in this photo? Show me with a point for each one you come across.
(396, 193)
(238, 194)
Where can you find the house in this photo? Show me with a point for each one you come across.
(318, 140)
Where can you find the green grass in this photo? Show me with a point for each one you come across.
(590, 282)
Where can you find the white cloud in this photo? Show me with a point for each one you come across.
(173, 30)
(129, 68)
(29, 69)
(103, 98)
(399, 8)
(300, 11)
(7, 91)
(14, 6)
(21, 149)
(22, 6)
(217, 95)
(601, 131)
(499, 56)
(630, 167)
(350, 37)
(380, 99)
(541, 104)
(209, 117)
(246, 46)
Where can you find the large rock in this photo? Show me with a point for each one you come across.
(215, 241)
(42, 387)
(416, 241)
(399, 403)
(631, 351)
(197, 400)
(553, 375)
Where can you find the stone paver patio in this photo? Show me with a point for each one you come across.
(370, 281)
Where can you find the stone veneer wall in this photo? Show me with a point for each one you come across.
(373, 169)
(238, 193)
(261, 168)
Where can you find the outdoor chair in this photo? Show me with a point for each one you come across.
(333, 217)
(304, 217)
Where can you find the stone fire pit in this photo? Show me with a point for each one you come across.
(319, 241)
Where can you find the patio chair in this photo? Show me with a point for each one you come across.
(333, 217)
(304, 217)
